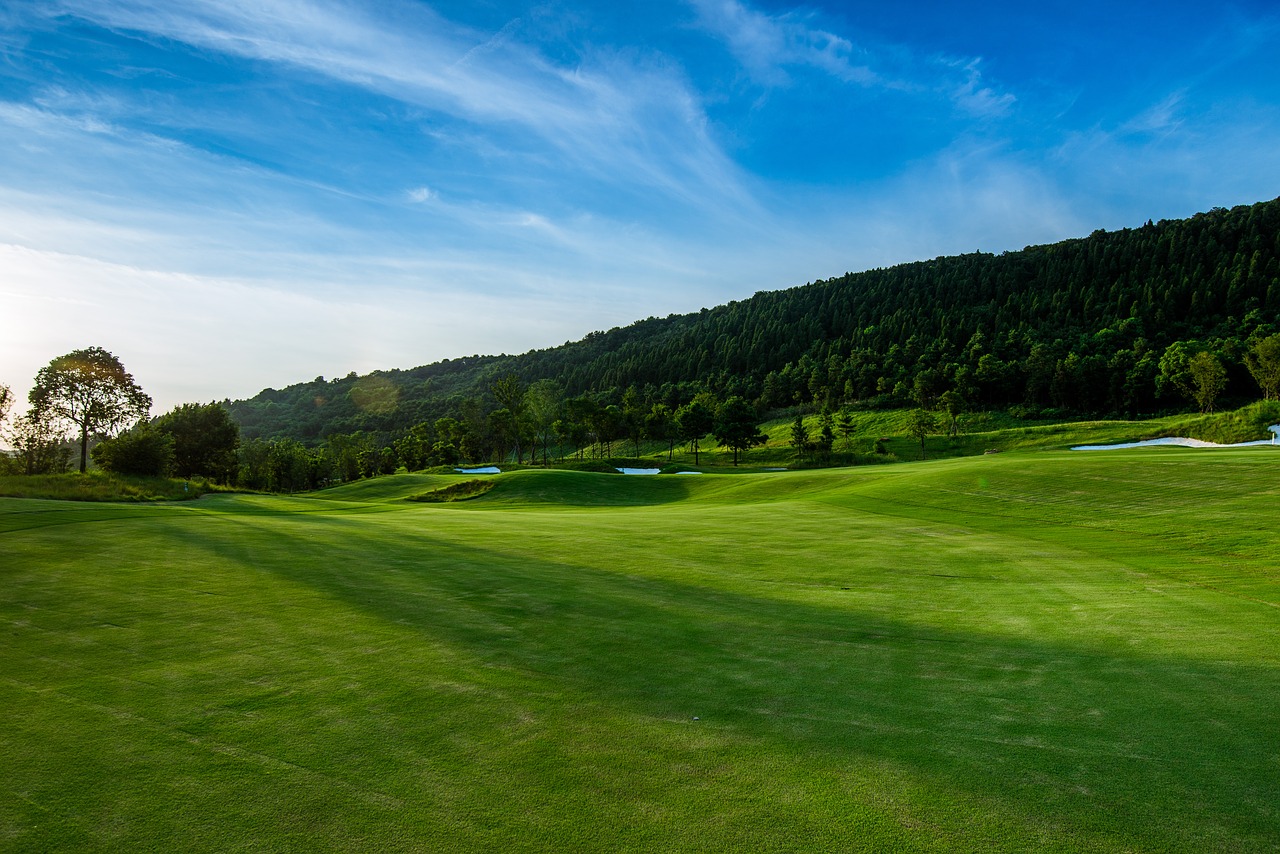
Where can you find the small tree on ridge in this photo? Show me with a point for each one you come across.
(736, 426)
(920, 424)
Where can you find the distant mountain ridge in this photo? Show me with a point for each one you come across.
(1080, 325)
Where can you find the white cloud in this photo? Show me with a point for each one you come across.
(976, 99)
(620, 121)
(766, 44)
(1171, 160)
(1162, 117)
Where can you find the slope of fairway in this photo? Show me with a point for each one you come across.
(534, 489)
(1046, 651)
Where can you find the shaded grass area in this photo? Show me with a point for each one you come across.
(460, 491)
(527, 487)
(1054, 651)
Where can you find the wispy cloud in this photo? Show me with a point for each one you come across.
(1159, 118)
(420, 195)
(767, 45)
(614, 120)
(772, 47)
(974, 97)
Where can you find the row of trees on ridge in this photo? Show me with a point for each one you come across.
(1081, 327)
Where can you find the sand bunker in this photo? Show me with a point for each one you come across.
(639, 471)
(1182, 442)
(481, 470)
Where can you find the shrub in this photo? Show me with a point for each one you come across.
(142, 451)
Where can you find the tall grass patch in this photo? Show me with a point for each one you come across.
(98, 485)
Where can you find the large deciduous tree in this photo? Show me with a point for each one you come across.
(91, 390)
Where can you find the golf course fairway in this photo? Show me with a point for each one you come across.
(1048, 651)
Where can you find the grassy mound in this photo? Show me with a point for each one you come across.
(533, 488)
(1241, 425)
(454, 492)
(387, 487)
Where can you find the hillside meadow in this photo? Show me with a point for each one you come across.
(1051, 650)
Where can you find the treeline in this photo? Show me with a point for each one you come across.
(87, 399)
(534, 425)
(1106, 325)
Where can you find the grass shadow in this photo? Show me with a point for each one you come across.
(1146, 751)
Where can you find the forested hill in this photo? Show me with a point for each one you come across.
(1080, 326)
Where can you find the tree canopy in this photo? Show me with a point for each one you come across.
(90, 390)
(920, 424)
(737, 427)
(143, 451)
(204, 438)
(695, 420)
(1263, 361)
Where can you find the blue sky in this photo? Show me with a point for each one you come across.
(247, 193)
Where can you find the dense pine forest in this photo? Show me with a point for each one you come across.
(1151, 319)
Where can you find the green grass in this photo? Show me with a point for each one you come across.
(1050, 650)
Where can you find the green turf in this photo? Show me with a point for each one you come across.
(1028, 651)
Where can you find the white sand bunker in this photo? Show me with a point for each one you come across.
(481, 470)
(688, 472)
(1184, 443)
(639, 471)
